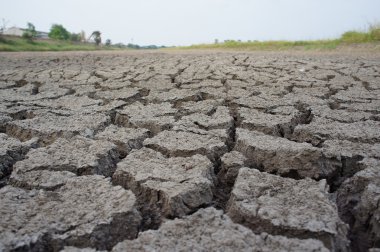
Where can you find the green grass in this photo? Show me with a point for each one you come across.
(270, 45)
(16, 44)
(371, 36)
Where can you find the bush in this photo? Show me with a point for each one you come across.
(374, 32)
(355, 37)
(59, 32)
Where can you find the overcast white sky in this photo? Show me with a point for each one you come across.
(185, 22)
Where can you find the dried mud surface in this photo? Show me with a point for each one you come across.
(189, 151)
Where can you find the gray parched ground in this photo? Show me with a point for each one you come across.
(189, 151)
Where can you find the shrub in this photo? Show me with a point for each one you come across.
(59, 32)
(374, 32)
(355, 37)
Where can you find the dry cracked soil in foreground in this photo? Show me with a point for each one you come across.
(189, 152)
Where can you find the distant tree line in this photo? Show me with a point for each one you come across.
(59, 32)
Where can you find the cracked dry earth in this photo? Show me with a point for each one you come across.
(189, 152)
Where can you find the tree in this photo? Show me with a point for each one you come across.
(108, 42)
(59, 32)
(97, 37)
(30, 33)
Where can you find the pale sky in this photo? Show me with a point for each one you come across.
(186, 22)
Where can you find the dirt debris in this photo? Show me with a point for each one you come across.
(86, 211)
(210, 230)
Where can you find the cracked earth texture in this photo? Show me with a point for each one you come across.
(212, 151)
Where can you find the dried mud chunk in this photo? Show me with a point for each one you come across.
(156, 84)
(209, 230)
(185, 144)
(155, 117)
(283, 206)
(212, 93)
(11, 151)
(372, 107)
(350, 154)
(125, 139)
(7, 84)
(268, 101)
(320, 92)
(70, 102)
(339, 115)
(277, 125)
(358, 201)
(78, 155)
(166, 186)
(355, 94)
(40, 179)
(19, 111)
(49, 126)
(236, 93)
(30, 93)
(173, 95)
(219, 119)
(292, 98)
(349, 149)
(320, 130)
(83, 90)
(3, 121)
(75, 249)
(106, 74)
(126, 94)
(86, 212)
(231, 163)
(222, 134)
(202, 84)
(108, 108)
(206, 107)
(284, 157)
(154, 124)
(115, 84)
(283, 110)
(260, 102)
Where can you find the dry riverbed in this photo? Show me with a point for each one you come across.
(190, 151)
